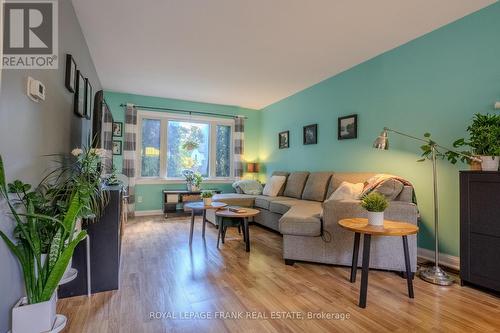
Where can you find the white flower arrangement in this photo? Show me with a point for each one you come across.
(76, 152)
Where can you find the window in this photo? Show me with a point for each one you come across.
(188, 148)
(171, 144)
(150, 148)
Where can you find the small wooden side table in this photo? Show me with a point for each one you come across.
(194, 206)
(390, 228)
(226, 213)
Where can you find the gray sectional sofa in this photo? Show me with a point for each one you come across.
(309, 225)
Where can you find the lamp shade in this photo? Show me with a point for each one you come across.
(382, 141)
(252, 167)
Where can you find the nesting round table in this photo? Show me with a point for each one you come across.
(390, 228)
(200, 206)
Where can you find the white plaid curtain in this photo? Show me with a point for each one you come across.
(129, 147)
(239, 144)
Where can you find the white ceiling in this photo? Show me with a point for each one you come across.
(249, 53)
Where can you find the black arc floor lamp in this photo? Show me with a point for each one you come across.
(433, 274)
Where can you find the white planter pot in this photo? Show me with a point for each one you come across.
(376, 218)
(207, 201)
(195, 188)
(489, 163)
(34, 318)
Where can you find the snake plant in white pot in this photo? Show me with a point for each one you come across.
(37, 311)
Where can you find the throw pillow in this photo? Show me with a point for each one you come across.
(347, 191)
(273, 186)
(390, 188)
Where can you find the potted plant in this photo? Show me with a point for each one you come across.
(193, 180)
(375, 203)
(37, 311)
(484, 133)
(207, 197)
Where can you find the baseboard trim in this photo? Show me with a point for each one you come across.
(148, 212)
(444, 259)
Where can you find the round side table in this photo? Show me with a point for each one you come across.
(226, 213)
(197, 206)
(390, 228)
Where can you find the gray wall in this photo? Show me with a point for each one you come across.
(29, 130)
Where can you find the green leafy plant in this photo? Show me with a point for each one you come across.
(484, 135)
(451, 156)
(82, 173)
(207, 194)
(41, 278)
(374, 202)
(192, 178)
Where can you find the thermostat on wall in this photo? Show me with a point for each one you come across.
(35, 90)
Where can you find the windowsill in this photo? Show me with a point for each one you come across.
(152, 181)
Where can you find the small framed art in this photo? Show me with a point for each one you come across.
(284, 140)
(348, 127)
(117, 147)
(79, 105)
(89, 97)
(70, 79)
(310, 135)
(117, 129)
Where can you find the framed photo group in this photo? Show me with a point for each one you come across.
(117, 132)
(81, 87)
(347, 128)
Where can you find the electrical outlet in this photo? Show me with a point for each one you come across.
(139, 199)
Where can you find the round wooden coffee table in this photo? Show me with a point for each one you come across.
(243, 216)
(390, 228)
(197, 206)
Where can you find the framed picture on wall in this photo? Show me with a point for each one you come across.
(310, 135)
(117, 147)
(89, 97)
(348, 127)
(70, 80)
(284, 140)
(79, 104)
(117, 129)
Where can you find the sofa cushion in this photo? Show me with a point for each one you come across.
(316, 186)
(281, 173)
(281, 207)
(302, 220)
(274, 185)
(263, 201)
(351, 177)
(295, 184)
(235, 199)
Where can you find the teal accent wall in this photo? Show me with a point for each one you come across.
(432, 84)
(152, 194)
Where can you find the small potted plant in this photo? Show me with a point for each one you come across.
(375, 203)
(197, 180)
(207, 197)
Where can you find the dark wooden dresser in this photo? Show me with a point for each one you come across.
(105, 250)
(480, 229)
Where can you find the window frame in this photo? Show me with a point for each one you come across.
(164, 118)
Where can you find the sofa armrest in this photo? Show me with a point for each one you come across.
(335, 210)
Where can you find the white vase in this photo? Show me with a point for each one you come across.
(489, 163)
(207, 201)
(34, 318)
(195, 188)
(376, 218)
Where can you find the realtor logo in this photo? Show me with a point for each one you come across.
(30, 38)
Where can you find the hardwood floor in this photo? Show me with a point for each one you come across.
(161, 275)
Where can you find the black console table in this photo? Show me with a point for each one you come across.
(480, 229)
(173, 200)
